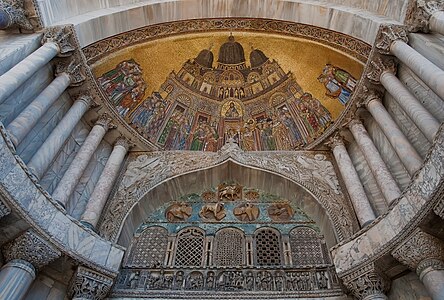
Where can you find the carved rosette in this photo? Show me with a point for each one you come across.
(16, 15)
(31, 248)
(89, 284)
(367, 283)
(420, 251)
(389, 34)
(420, 12)
(62, 37)
(380, 66)
(105, 121)
(74, 70)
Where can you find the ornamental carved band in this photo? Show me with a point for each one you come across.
(88, 284)
(74, 70)
(13, 15)
(378, 67)
(31, 248)
(389, 34)
(367, 282)
(420, 251)
(62, 37)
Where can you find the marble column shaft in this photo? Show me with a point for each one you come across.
(436, 22)
(420, 116)
(16, 277)
(26, 120)
(16, 76)
(408, 155)
(421, 66)
(104, 186)
(355, 190)
(383, 177)
(433, 280)
(75, 171)
(41, 160)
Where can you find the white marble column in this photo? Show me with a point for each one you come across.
(354, 187)
(41, 160)
(72, 176)
(104, 186)
(437, 22)
(383, 177)
(408, 155)
(16, 277)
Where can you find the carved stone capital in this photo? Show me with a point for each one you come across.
(389, 34)
(74, 70)
(4, 209)
(105, 121)
(367, 283)
(61, 36)
(335, 140)
(14, 15)
(369, 95)
(378, 67)
(31, 248)
(87, 99)
(420, 12)
(419, 251)
(352, 121)
(89, 284)
(124, 142)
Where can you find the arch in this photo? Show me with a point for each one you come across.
(268, 247)
(229, 247)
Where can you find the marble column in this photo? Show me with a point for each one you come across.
(437, 22)
(12, 14)
(55, 42)
(354, 187)
(104, 186)
(424, 254)
(98, 285)
(383, 177)
(428, 16)
(407, 154)
(72, 176)
(42, 159)
(25, 255)
(26, 120)
(393, 40)
(369, 283)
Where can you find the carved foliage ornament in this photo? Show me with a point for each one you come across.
(62, 37)
(31, 248)
(88, 284)
(387, 35)
(16, 14)
(368, 281)
(418, 16)
(74, 70)
(378, 67)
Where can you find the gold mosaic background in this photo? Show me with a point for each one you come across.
(304, 58)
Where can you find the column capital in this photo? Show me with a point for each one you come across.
(61, 36)
(420, 251)
(378, 67)
(31, 248)
(389, 34)
(352, 121)
(124, 142)
(74, 70)
(16, 14)
(420, 12)
(335, 140)
(106, 122)
(87, 99)
(367, 283)
(369, 95)
(89, 284)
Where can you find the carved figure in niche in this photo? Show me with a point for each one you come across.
(321, 169)
(305, 282)
(246, 212)
(264, 281)
(208, 196)
(323, 281)
(229, 192)
(178, 280)
(249, 281)
(157, 281)
(179, 212)
(194, 281)
(279, 281)
(280, 212)
(213, 211)
(209, 284)
(338, 82)
(252, 196)
(133, 279)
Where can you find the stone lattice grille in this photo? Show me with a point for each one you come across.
(306, 247)
(190, 246)
(229, 248)
(150, 248)
(268, 248)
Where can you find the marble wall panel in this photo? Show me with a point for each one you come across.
(14, 47)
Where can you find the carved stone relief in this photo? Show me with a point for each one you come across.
(213, 211)
(179, 212)
(229, 192)
(88, 284)
(280, 212)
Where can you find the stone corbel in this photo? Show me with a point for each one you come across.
(389, 34)
(420, 12)
(13, 14)
(378, 67)
(89, 284)
(62, 37)
(74, 70)
(367, 283)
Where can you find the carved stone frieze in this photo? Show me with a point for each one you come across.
(389, 34)
(419, 13)
(378, 67)
(88, 284)
(31, 248)
(62, 36)
(367, 283)
(280, 212)
(213, 212)
(16, 15)
(419, 251)
(74, 70)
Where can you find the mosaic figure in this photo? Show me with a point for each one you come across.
(338, 82)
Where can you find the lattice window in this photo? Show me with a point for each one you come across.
(149, 248)
(190, 248)
(268, 247)
(306, 247)
(229, 247)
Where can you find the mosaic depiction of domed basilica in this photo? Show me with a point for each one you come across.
(259, 106)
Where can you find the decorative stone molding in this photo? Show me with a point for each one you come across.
(379, 66)
(74, 70)
(367, 283)
(439, 208)
(31, 248)
(62, 37)
(14, 14)
(89, 284)
(419, 14)
(420, 251)
(105, 121)
(389, 34)
(4, 209)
